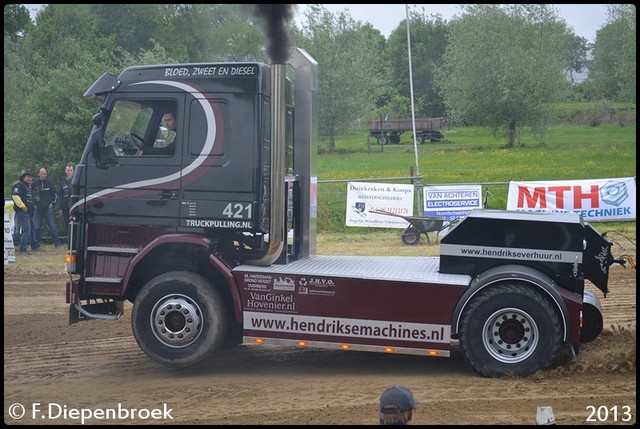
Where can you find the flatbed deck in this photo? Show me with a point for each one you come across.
(415, 269)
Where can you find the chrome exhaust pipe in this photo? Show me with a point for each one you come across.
(278, 161)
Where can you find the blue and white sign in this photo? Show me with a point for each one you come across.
(451, 202)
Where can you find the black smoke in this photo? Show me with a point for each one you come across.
(274, 20)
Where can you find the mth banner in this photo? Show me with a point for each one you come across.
(451, 202)
(364, 197)
(595, 200)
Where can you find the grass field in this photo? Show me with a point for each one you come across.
(474, 155)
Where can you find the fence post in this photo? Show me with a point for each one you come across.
(417, 184)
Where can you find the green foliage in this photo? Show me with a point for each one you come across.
(237, 35)
(63, 34)
(59, 123)
(503, 63)
(16, 21)
(344, 55)
(428, 43)
(593, 114)
(134, 27)
(612, 72)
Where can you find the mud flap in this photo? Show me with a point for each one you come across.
(592, 321)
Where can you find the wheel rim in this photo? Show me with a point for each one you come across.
(410, 238)
(176, 320)
(510, 335)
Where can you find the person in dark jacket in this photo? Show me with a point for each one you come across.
(24, 206)
(45, 197)
(64, 198)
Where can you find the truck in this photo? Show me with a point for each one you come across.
(391, 130)
(214, 243)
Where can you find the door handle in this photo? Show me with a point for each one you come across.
(169, 195)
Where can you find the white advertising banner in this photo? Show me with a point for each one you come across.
(392, 198)
(594, 199)
(451, 202)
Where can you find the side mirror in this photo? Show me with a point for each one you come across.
(96, 149)
(99, 117)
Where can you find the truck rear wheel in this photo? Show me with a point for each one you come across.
(179, 319)
(510, 329)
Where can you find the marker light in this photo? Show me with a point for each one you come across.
(389, 350)
(70, 263)
(581, 320)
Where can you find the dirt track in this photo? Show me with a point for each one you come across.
(97, 365)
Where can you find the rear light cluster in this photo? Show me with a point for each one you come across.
(70, 263)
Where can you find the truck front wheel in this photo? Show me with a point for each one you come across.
(510, 330)
(179, 319)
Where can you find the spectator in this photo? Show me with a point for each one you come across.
(24, 206)
(65, 197)
(45, 197)
(397, 406)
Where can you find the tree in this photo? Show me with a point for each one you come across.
(345, 51)
(578, 49)
(237, 35)
(133, 27)
(57, 120)
(16, 21)
(428, 45)
(61, 36)
(613, 70)
(503, 65)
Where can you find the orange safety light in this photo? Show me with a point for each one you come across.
(258, 340)
(581, 320)
(345, 346)
(389, 350)
(303, 343)
(432, 353)
(70, 263)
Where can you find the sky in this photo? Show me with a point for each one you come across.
(584, 19)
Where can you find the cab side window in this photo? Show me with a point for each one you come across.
(140, 127)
